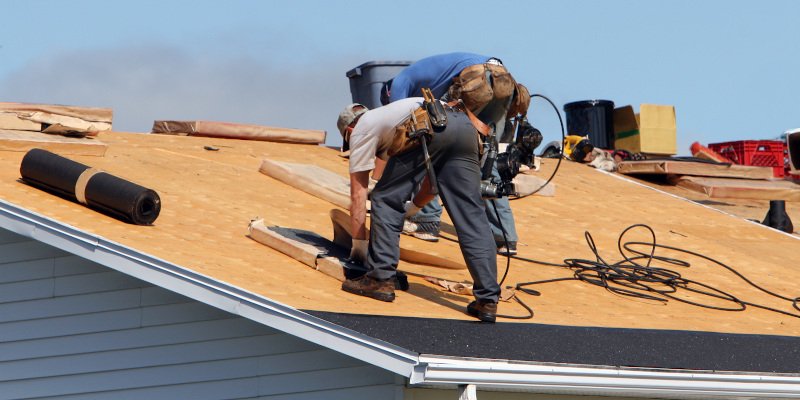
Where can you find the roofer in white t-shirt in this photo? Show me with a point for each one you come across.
(454, 156)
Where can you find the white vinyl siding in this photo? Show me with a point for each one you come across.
(73, 329)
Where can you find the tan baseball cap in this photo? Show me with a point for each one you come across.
(346, 117)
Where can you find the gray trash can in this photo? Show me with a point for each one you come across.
(366, 80)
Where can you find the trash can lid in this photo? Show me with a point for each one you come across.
(371, 64)
(588, 103)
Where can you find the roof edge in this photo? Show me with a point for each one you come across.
(627, 179)
(436, 371)
(206, 289)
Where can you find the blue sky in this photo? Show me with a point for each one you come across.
(731, 68)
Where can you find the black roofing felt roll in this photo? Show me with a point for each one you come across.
(99, 190)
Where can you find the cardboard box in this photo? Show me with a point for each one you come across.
(652, 130)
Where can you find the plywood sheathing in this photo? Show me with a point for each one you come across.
(85, 119)
(676, 167)
(722, 188)
(748, 209)
(312, 179)
(231, 130)
(10, 120)
(209, 198)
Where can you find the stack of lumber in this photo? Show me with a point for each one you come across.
(67, 130)
(69, 120)
(231, 130)
(717, 180)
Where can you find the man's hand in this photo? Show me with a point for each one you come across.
(359, 250)
(371, 186)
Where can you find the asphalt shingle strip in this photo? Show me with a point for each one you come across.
(646, 348)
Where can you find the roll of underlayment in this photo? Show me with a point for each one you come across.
(96, 189)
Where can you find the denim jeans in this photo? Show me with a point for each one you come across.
(454, 156)
(432, 212)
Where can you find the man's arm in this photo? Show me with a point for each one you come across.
(358, 204)
(380, 165)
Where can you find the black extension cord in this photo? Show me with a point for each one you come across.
(563, 138)
(643, 281)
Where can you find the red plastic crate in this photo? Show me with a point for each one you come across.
(761, 153)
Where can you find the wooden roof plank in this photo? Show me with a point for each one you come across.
(663, 167)
(94, 114)
(10, 120)
(304, 246)
(431, 255)
(722, 188)
(232, 130)
(312, 179)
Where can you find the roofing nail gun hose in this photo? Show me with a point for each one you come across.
(96, 189)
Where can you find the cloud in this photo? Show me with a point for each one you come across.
(148, 82)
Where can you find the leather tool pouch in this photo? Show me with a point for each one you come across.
(503, 83)
(479, 84)
(402, 141)
(429, 118)
(522, 99)
(472, 87)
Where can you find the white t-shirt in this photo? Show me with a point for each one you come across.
(374, 132)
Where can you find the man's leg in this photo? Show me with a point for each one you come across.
(458, 175)
(401, 176)
(506, 221)
(425, 223)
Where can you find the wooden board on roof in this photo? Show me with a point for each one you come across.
(94, 114)
(232, 130)
(312, 179)
(304, 246)
(411, 250)
(22, 141)
(10, 120)
(741, 188)
(675, 167)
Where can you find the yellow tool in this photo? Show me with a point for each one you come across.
(570, 142)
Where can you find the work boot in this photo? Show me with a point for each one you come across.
(427, 231)
(366, 286)
(484, 310)
(401, 281)
(507, 250)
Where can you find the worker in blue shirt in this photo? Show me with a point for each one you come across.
(442, 73)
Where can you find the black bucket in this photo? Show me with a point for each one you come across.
(593, 118)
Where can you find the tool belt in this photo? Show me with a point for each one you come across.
(428, 119)
(520, 103)
(402, 142)
(479, 84)
(420, 125)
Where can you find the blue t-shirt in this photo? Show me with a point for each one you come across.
(434, 72)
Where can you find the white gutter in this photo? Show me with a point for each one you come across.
(206, 289)
(436, 371)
